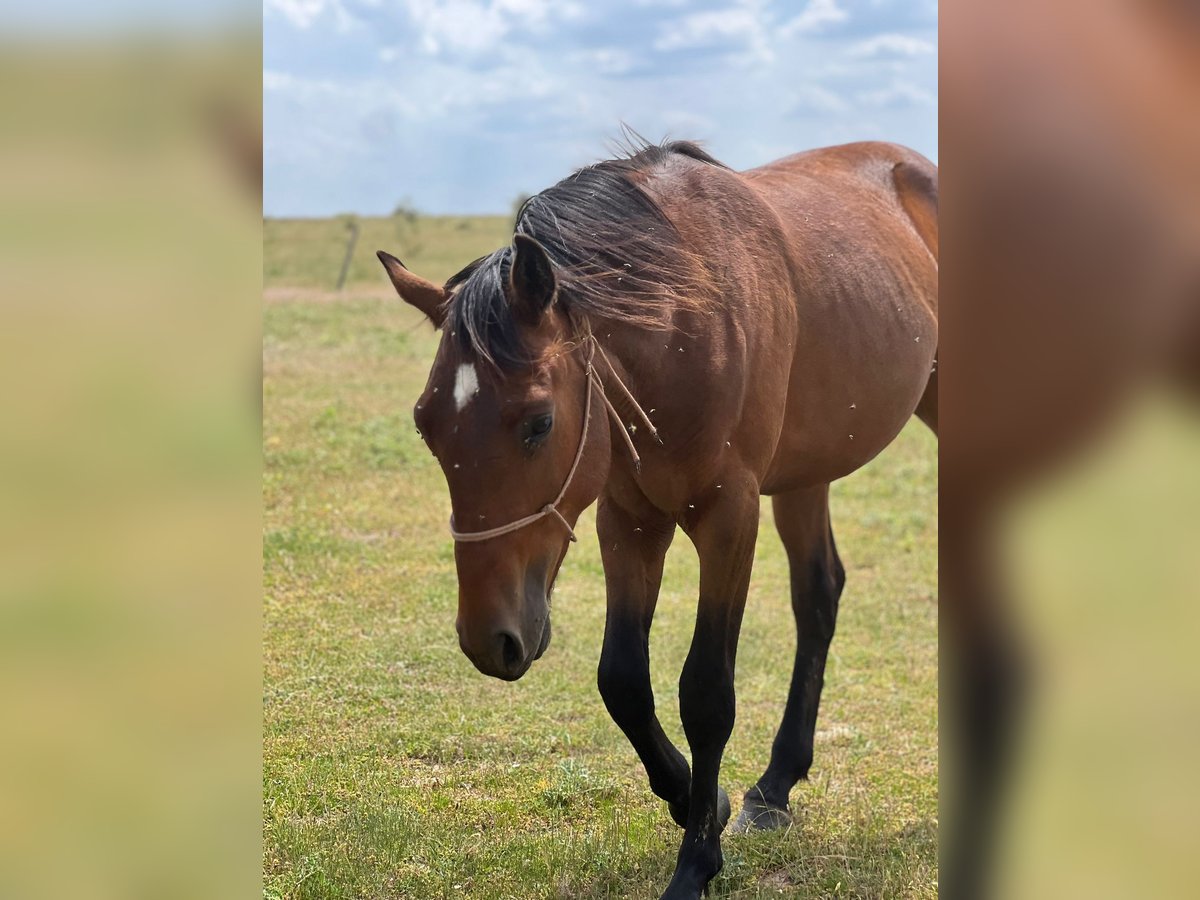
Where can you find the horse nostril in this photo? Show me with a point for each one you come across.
(511, 652)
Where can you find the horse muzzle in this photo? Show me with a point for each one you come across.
(505, 650)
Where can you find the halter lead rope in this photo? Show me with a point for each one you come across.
(592, 378)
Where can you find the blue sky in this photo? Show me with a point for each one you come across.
(458, 106)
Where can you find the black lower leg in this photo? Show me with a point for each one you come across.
(817, 581)
(724, 535)
(706, 701)
(624, 680)
(633, 548)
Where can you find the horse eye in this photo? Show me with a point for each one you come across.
(537, 428)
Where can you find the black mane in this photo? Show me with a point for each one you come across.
(616, 254)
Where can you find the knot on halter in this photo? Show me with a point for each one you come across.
(592, 378)
(551, 510)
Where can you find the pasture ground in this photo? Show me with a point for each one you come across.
(393, 769)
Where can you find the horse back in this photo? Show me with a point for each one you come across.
(820, 339)
(861, 237)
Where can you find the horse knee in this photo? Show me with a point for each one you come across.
(624, 682)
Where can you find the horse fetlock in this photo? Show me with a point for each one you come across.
(696, 869)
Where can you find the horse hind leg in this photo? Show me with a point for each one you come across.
(817, 578)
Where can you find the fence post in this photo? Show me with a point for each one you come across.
(352, 227)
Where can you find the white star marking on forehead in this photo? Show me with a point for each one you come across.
(466, 385)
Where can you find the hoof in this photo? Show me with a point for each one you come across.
(679, 811)
(758, 815)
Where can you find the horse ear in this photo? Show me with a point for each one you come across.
(415, 290)
(532, 279)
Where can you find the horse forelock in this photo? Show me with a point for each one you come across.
(616, 254)
(479, 318)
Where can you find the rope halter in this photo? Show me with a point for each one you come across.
(594, 385)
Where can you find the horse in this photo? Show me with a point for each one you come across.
(673, 339)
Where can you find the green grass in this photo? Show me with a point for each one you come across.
(393, 769)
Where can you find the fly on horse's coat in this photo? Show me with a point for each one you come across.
(674, 339)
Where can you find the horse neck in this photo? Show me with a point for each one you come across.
(638, 384)
(626, 348)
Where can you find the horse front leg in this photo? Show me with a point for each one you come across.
(633, 548)
(724, 530)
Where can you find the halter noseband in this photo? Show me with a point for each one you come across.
(593, 383)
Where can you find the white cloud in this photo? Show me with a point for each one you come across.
(812, 98)
(300, 13)
(892, 45)
(706, 28)
(688, 124)
(461, 24)
(285, 82)
(516, 93)
(898, 94)
(605, 60)
(538, 11)
(325, 90)
(276, 81)
(815, 17)
(727, 29)
(473, 26)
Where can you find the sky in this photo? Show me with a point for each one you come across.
(459, 106)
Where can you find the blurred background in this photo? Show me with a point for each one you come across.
(131, 275)
(1070, 338)
(130, 269)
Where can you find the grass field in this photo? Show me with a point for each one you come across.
(393, 769)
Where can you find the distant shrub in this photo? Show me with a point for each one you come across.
(406, 220)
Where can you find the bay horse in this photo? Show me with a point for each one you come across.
(674, 339)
